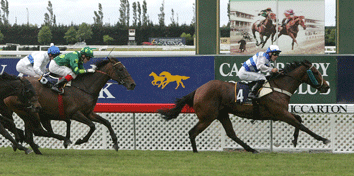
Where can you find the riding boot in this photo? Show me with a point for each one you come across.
(58, 86)
(254, 90)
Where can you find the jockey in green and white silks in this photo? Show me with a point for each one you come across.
(260, 62)
(35, 63)
(70, 65)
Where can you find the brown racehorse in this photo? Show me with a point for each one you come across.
(267, 29)
(11, 85)
(80, 99)
(292, 28)
(216, 99)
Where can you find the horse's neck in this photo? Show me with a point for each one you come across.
(10, 88)
(93, 83)
(289, 83)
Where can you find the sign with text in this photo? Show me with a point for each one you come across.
(158, 79)
(226, 69)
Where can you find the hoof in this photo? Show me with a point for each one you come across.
(14, 147)
(67, 143)
(115, 147)
(294, 143)
(326, 141)
(255, 152)
(28, 151)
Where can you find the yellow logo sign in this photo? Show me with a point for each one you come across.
(165, 78)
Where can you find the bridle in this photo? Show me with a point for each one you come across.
(121, 78)
(312, 78)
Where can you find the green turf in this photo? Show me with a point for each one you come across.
(126, 162)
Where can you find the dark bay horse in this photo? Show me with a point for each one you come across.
(81, 97)
(216, 99)
(267, 29)
(11, 85)
(292, 28)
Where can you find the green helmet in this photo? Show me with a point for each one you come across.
(87, 51)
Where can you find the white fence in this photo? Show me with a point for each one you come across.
(148, 131)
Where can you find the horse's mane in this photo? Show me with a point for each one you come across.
(8, 76)
(295, 64)
(101, 62)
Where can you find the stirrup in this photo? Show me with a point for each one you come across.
(58, 90)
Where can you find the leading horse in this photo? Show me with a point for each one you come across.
(266, 29)
(11, 85)
(216, 99)
(80, 98)
(292, 28)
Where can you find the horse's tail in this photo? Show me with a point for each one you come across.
(169, 114)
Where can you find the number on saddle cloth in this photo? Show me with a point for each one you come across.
(242, 91)
(48, 80)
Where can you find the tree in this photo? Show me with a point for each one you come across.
(1, 37)
(45, 35)
(194, 13)
(139, 14)
(98, 20)
(173, 22)
(49, 19)
(84, 32)
(123, 13)
(70, 35)
(188, 37)
(107, 39)
(135, 15)
(128, 12)
(145, 18)
(4, 19)
(162, 14)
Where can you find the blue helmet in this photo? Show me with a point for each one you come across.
(53, 50)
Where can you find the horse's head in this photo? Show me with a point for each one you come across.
(314, 78)
(28, 97)
(300, 20)
(116, 71)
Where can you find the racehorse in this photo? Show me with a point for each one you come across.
(292, 28)
(79, 100)
(267, 29)
(11, 85)
(216, 99)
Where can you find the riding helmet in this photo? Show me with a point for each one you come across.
(53, 50)
(87, 51)
(273, 48)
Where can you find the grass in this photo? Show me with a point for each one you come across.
(127, 162)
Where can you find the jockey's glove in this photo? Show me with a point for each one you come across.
(90, 70)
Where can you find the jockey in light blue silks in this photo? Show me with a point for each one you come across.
(252, 68)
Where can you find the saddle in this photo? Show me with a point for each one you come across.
(49, 79)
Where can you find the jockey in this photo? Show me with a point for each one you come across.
(289, 15)
(259, 62)
(70, 65)
(265, 14)
(35, 63)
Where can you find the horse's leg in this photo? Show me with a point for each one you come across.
(254, 35)
(15, 144)
(48, 126)
(8, 122)
(29, 137)
(296, 132)
(266, 40)
(290, 119)
(97, 118)
(80, 117)
(226, 123)
(197, 129)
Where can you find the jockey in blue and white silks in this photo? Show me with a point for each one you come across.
(35, 63)
(260, 62)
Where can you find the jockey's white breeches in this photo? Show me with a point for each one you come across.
(25, 67)
(60, 70)
(245, 75)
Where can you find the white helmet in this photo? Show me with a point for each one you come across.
(273, 48)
